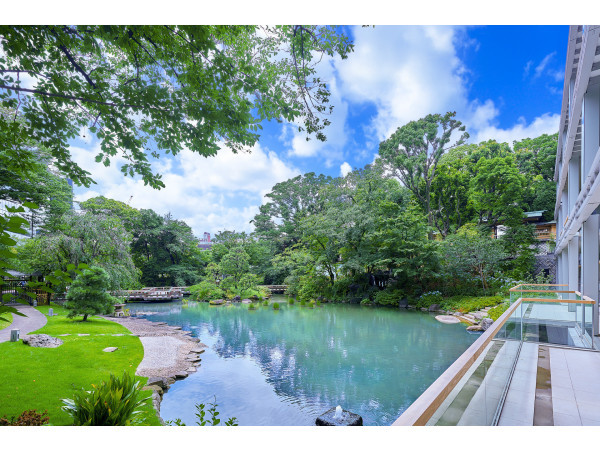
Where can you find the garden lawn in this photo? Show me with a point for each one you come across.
(4, 324)
(39, 378)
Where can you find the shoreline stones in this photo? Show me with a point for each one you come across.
(187, 357)
(447, 319)
(42, 340)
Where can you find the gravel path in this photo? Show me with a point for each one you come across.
(166, 349)
(34, 321)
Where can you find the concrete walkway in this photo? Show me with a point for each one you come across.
(34, 321)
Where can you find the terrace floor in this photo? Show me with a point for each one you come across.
(553, 386)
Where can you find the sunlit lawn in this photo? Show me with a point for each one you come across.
(39, 378)
(4, 324)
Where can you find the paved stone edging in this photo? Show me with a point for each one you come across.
(170, 354)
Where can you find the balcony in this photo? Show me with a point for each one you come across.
(536, 365)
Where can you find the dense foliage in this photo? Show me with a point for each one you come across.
(112, 403)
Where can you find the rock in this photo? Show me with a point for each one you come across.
(433, 308)
(198, 350)
(457, 313)
(447, 319)
(465, 319)
(236, 299)
(479, 315)
(180, 375)
(110, 349)
(246, 300)
(411, 307)
(217, 302)
(154, 388)
(474, 328)
(403, 303)
(486, 323)
(193, 358)
(469, 317)
(169, 382)
(348, 419)
(158, 381)
(191, 370)
(424, 309)
(42, 340)
(83, 334)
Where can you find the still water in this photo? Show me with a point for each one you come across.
(287, 367)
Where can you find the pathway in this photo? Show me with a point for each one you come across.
(34, 321)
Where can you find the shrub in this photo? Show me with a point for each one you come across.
(496, 312)
(27, 418)
(111, 403)
(205, 291)
(266, 303)
(88, 294)
(291, 301)
(318, 303)
(389, 297)
(302, 302)
(428, 299)
(275, 305)
(311, 304)
(251, 307)
(365, 301)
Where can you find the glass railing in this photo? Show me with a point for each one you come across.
(472, 390)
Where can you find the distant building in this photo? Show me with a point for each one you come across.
(205, 242)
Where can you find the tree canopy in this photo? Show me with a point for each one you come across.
(143, 90)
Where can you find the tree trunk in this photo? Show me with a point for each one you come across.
(85, 317)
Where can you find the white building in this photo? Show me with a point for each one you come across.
(578, 166)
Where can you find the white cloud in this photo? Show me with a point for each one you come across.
(545, 124)
(345, 169)
(210, 194)
(539, 70)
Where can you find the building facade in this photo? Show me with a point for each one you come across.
(577, 170)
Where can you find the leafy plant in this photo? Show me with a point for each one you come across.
(311, 304)
(112, 403)
(276, 306)
(496, 312)
(251, 307)
(302, 302)
(26, 418)
(266, 303)
(291, 301)
(203, 419)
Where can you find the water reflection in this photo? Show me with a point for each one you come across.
(287, 367)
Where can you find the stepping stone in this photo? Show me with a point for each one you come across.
(198, 350)
(447, 319)
(83, 334)
(110, 349)
(120, 334)
(191, 370)
(67, 334)
(181, 375)
(193, 359)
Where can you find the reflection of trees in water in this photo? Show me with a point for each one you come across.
(375, 361)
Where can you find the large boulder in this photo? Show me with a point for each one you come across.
(217, 302)
(486, 323)
(236, 299)
(434, 307)
(42, 340)
(474, 328)
(447, 319)
(403, 303)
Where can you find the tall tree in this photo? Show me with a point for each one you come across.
(142, 90)
(413, 151)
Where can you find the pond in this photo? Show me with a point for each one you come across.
(287, 367)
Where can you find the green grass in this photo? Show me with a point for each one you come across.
(39, 378)
(4, 324)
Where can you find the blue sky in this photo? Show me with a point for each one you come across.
(504, 82)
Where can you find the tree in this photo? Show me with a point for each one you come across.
(469, 253)
(496, 191)
(234, 265)
(289, 202)
(97, 240)
(107, 206)
(413, 151)
(142, 90)
(88, 294)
